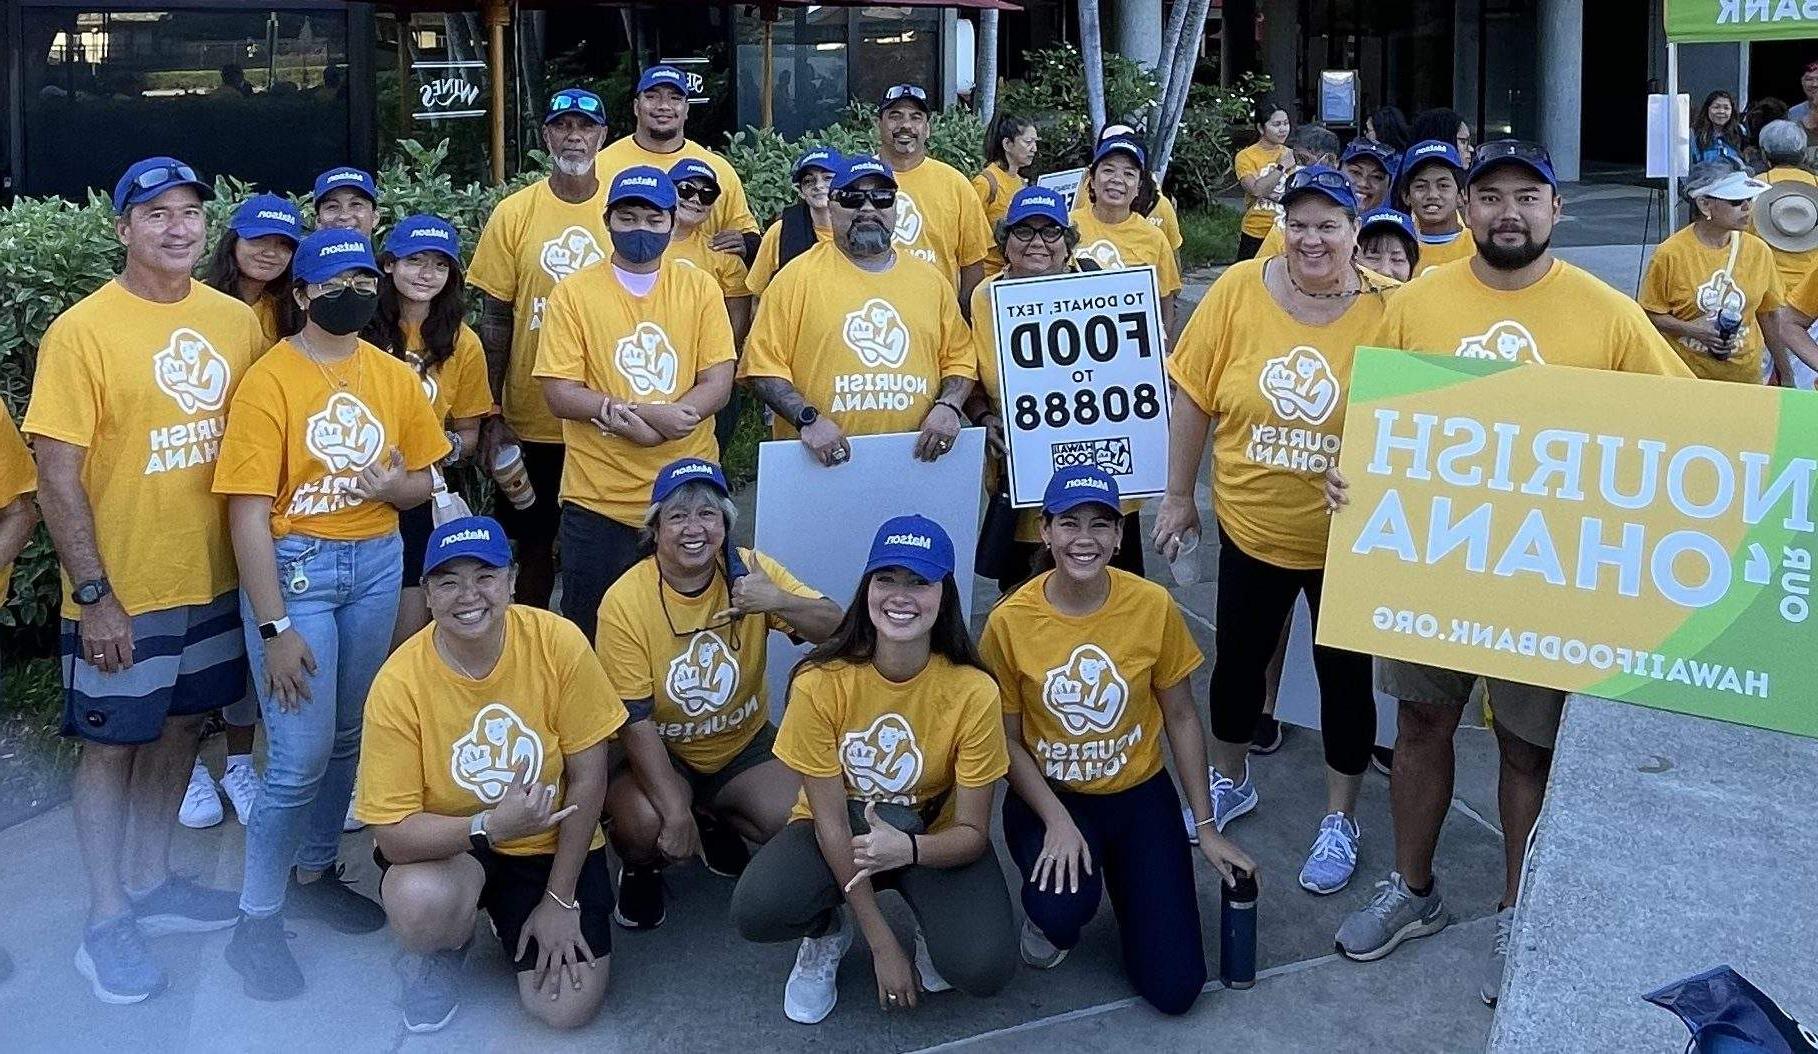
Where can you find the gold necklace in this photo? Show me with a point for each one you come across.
(448, 657)
(333, 377)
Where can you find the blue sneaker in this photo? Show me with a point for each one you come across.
(1333, 860)
(1230, 800)
(182, 906)
(114, 960)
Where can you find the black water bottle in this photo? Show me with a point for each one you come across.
(1237, 932)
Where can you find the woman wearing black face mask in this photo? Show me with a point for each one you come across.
(328, 437)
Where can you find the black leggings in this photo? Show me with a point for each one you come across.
(1254, 602)
(1247, 247)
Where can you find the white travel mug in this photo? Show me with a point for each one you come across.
(513, 478)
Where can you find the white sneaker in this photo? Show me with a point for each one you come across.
(201, 804)
(1038, 951)
(813, 985)
(932, 981)
(352, 823)
(241, 782)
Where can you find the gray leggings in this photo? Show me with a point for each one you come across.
(788, 892)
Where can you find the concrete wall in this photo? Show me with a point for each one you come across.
(1561, 82)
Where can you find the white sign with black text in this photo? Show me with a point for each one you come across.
(1079, 359)
(1065, 183)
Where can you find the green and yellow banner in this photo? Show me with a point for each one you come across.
(1647, 539)
(1707, 21)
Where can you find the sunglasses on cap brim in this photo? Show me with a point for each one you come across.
(906, 91)
(157, 177)
(1513, 150)
(1304, 180)
(583, 103)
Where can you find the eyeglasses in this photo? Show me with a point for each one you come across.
(704, 193)
(360, 283)
(1028, 232)
(663, 602)
(1324, 180)
(1517, 149)
(881, 198)
(583, 103)
(906, 91)
(157, 177)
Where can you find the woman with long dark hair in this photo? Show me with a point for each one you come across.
(421, 320)
(1717, 130)
(1261, 169)
(1010, 148)
(897, 731)
(1388, 126)
(252, 262)
(1447, 126)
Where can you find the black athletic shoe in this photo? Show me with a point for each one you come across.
(260, 953)
(640, 904)
(722, 850)
(1268, 735)
(333, 900)
(1382, 759)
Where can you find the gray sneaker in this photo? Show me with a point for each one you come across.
(1493, 964)
(1394, 914)
(1038, 951)
(114, 960)
(431, 987)
(182, 906)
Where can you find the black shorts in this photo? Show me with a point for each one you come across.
(514, 887)
(414, 527)
(706, 786)
(543, 462)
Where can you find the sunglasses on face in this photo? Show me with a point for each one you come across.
(1028, 232)
(881, 198)
(704, 193)
(583, 103)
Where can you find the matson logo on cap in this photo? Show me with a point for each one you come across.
(340, 247)
(428, 231)
(638, 181)
(1034, 200)
(471, 534)
(1087, 481)
(919, 541)
(274, 214)
(343, 177)
(697, 469)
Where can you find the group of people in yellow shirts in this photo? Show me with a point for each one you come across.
(244, 481)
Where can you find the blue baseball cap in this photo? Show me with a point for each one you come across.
(1031, 202)
(147, 179)
(693, 168)
(857, 167)
(1080, 485)
(424, 233)
(663, 77)
(1320, 179)
(687, 470)
(264, 214)
(476, 537)
(577, 101)
(1376, 152)
(643, 183)
(323, 254)
(346, 176)
(824, 158)
(913, 542)
(1531, 156)
(1387, 217)
(1119, 144)
(1427, 151)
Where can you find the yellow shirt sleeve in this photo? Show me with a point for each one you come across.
(713, 333)
(730, 272)
(738, 215)
(994, 649)
(764, 264)
(423, 442)
(562, 351)
(1803, 297)
(495, 259)
(1180, 654)
(472, 394)
(1167, 271)
(1657, 287)
(958, 356)
(589, 710)
(1249, 162)
(773, 331)
(66, 394)
(619, 641)
(1170, 222)
(808, 738)
(18, 475)
(391, 779)
(976, 241)
(252, 451)
(984, 342)
(1198, 359)
(785, 581)
(1640, 348)
(1773, 296)
(982, 755)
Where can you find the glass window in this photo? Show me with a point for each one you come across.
(260, 95)
(894, 45)
(823, 57)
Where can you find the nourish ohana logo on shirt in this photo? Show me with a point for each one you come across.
(647, 360)
(883, 762)
(487, 758)
(192, 372)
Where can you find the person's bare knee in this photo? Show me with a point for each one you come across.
(570, 1008)
(632, 821)
(1529, 761)
(431, 905)
(1424, 725)
(757, 802)
(105, 762)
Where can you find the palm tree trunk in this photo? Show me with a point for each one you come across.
(1092, 53)
(987, 67)
(1186, 54)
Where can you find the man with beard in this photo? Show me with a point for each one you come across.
(534, 239)
(1512, 302)
(854, 338)
(660, 107)
(939, 219)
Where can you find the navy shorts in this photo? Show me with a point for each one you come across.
(186, 660)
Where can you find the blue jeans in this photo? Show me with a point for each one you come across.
(343, 598)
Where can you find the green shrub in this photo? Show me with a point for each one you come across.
(1208, 235)
(1053, 94)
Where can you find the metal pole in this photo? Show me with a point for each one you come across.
(1742, 77)
(1673, 162)
(767, 95)
(404, 110)
(496, 15)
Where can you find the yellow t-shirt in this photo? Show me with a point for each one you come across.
(727, 269)
(1086, 686)
(145, 387)
(939, 219)
(1259, 213)
(436, 741)
(731, 211)
(705, 678)
(1438, 254)
(995, 187)
(905, 743)
(532, 241)
(1793, 266)
(1568, 318)
(266, 307)
(1275, 241)
(1131, 243)
(456, 387)
(1277, 388)
(768, 260)
(867, 349)
(301, 439)
(1164, 217)
(648, 349)
(18, 477)
(1686, 280)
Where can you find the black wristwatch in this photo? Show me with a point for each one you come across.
(92, 591)
(476, 831)
(805, 417)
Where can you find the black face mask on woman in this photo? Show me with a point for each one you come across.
(343, 311)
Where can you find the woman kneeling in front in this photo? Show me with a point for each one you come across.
(1094, 665)
(482, 773)
(895, 727)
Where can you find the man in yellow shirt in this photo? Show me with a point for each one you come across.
(1512, 302)
(636, 359)
(347, 198)
(939, 218)
(660, 107)
(127, 413)
(856, 338)
(482, 773)
(534, 239)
